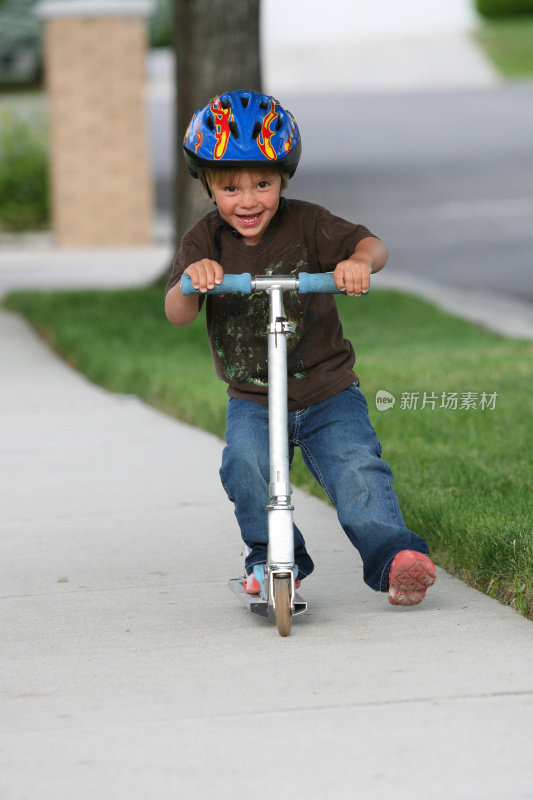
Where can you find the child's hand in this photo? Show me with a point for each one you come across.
(205, 274)
(353, 275)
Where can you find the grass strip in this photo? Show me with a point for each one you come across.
(463, 474)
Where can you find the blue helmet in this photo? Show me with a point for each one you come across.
(242, 128)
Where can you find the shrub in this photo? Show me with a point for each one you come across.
(504, 8)
(24, 200)
(160, 24)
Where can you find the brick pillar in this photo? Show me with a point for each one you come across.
(102, 192)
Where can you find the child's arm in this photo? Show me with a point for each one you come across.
(181, 309)
(353, 275)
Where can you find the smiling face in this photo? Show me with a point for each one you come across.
(247, 200)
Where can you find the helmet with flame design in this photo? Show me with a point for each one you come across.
(242, 128)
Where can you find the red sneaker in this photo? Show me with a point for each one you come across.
(411, 574)
(252, 586)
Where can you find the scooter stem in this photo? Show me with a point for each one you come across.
(280, 508)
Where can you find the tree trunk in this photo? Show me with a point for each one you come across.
(217, 49)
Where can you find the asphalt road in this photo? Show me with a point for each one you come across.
(444, 178)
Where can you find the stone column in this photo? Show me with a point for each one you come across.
(95, 56)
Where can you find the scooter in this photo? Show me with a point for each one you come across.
(278, 588)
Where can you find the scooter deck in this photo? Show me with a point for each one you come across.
(259, 606)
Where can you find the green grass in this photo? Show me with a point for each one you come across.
(509, 45)
(24, 183)
(463, 476)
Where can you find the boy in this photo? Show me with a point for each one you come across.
(244, 147)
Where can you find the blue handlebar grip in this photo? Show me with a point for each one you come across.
(230, 283)
(318, 283)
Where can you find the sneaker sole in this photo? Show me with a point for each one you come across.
(411, 575)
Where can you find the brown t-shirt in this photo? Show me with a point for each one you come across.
(302, 237)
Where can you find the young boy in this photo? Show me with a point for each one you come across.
(244, 147)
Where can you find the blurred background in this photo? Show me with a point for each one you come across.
(417, 119)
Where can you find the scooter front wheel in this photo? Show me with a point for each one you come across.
(282, 604)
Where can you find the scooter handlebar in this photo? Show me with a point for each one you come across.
(317, 283)
(309, 282)
(230, 283)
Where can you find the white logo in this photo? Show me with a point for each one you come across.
(384, 400)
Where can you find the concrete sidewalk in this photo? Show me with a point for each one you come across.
(129, 671)
(373, 65)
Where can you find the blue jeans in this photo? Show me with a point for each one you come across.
(342, 451)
